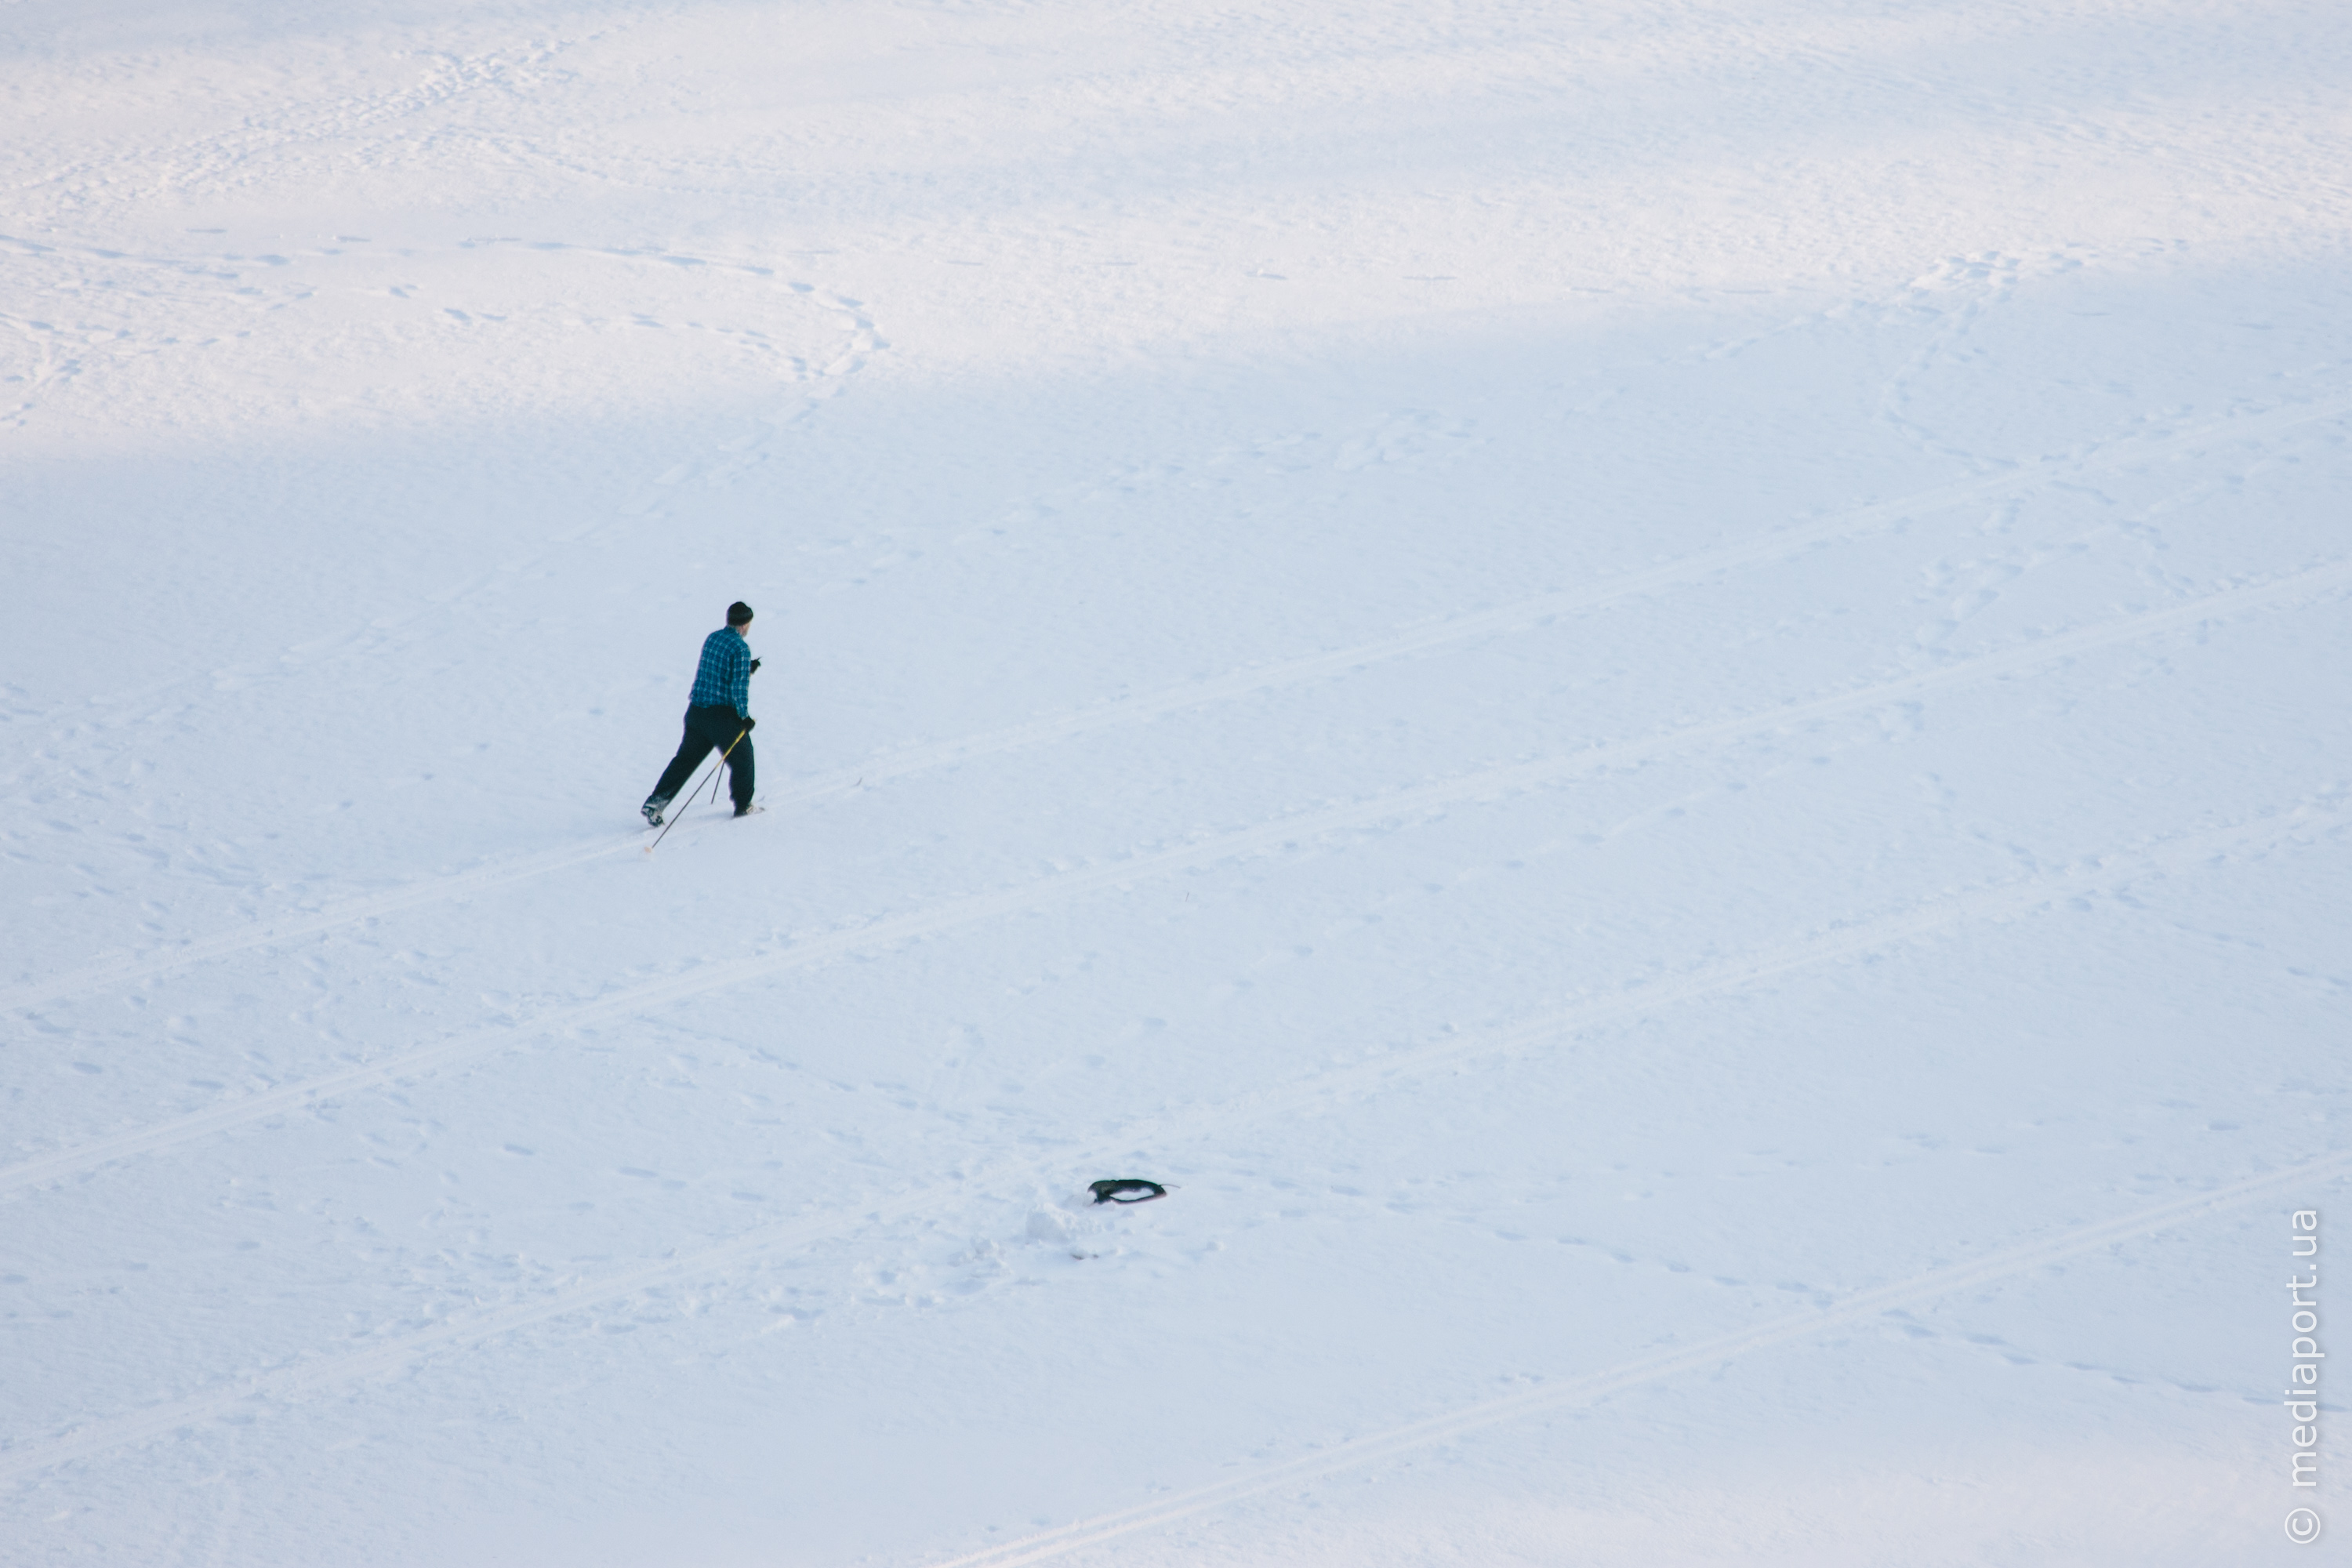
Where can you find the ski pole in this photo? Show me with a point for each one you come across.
(696, 793)
(722, 758)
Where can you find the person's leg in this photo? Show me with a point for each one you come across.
(738, 774)
(717, 728)
(692, 747)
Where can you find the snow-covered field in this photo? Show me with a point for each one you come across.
(1655, 694)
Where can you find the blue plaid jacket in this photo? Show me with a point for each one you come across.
(723, 679)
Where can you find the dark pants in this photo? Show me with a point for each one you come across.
(708, 730)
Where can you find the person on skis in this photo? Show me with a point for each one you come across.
(717, 716)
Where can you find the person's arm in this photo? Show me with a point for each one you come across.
(738, 680)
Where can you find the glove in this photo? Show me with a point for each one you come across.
(755, 667)
(749, 724)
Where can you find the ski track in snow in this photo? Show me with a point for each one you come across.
(1520, 616)
(25, 1457)
(1279, 835)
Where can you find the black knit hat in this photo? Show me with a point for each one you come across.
(739, 613)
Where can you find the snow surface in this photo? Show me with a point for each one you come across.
(1654, 693)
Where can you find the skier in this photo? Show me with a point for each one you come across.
(717, 716)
